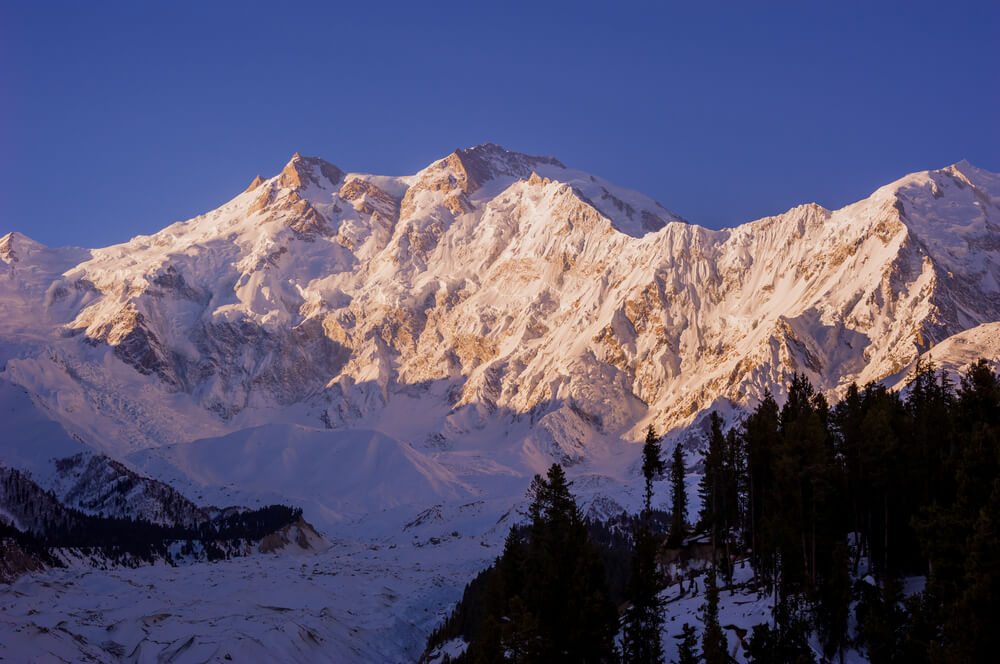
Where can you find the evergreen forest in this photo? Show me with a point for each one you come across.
(838, 509)
(123, 540)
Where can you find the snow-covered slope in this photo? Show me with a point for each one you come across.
(76, 475)
(31, 440)
(336, 475)
(956, 354)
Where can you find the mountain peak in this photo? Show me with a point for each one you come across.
(492, 152)
(257, 181)
(13, 244)
(967, 167)
(301, 171)
(475, 166)
(981, 179)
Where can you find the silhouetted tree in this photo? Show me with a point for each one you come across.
(687, 649)
(678, 499)
(547, 598)
(714, 648)
(644, 616)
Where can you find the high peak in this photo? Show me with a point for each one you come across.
(15, 246)
(498, 152)
(976, 176)
(8, 240)
(933, 183)
(299, 161)
(481, 163)
(486, 147)
(302, 171)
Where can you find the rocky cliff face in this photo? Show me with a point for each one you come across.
(490, 290)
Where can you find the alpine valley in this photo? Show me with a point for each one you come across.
(398, 356)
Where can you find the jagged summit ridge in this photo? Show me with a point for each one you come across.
(497, 287)
(479, 164)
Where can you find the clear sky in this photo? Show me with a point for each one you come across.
(120, 118)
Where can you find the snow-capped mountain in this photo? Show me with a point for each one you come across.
(398, 355)
(491, 288)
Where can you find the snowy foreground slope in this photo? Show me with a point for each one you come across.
(398, 356)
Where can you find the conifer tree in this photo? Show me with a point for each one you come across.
(760, 435)
(565, 588)
(678, 500)
(712, 486)
(847, 419)
(686, 651)
(881, 460)
(734, 479)
(546, 598)
(714, 648)
(652, 465)
(833, 611)
(971, 627)
(644, 616)
(784, 643)
(880, 621)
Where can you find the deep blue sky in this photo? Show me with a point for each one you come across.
(120, 118)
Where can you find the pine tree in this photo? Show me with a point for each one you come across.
(803, 486)
(835, 602)
(734, 480)
(508, 626)
(644, 616)
(546, 598)
(652, 465)
(971, 627)
(882, 461)
(521, 630)
(880, 621)
(564, 583)
(761, 438)
(686, 653)
(714, 648)
(784, 643)
(678, 502)
(847, 420)
(712, 486)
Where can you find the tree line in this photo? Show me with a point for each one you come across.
(833, 506)
(880, 487)
(47, 525)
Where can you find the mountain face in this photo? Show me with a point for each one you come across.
(491, 291)
(398, 355)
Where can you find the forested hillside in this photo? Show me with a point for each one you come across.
(833, 507)
(41, 526)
